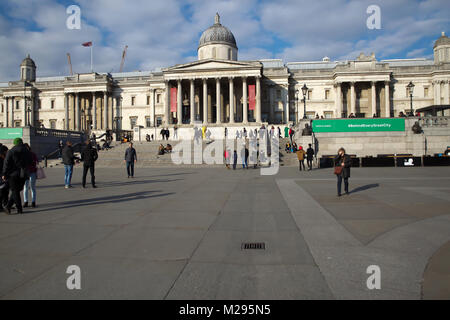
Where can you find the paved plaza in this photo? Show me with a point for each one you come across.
(177, 233)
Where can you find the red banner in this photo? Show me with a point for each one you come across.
(173, 99)
(87, 44)
(251, 97)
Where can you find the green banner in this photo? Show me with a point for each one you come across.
(359, 125)
(10, 133)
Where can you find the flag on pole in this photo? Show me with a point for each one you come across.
(89, 44)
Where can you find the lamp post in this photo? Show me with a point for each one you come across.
(304, 91)
(410, 87)
(296, 106)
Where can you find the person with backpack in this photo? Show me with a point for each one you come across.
(30, 183)
(309, 156)
(301, 158)
(89, 155)
(15, 172)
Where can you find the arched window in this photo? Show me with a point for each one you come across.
(229, 54)
(214, 53)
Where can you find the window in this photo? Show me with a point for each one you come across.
(214, 53)
(133, 121)
(278, 94)
(2, 107)
(425, 92)
(328, 114)
(148, 100)
(148, 123)
(229, 54)
(158, 98)
(52, 104)
(309, 94)
(17, 105)
(1, 124)
(133, 100)
(310, 114)
(158, 121)
(53, 124)
(17, 124)
(327, 94)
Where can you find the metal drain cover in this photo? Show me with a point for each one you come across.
(253, 245)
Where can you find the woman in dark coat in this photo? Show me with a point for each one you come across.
(342, 160)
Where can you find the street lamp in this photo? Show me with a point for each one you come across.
(410, 87)
(304, 91)
(296, 107)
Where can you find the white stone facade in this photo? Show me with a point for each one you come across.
(215, 91)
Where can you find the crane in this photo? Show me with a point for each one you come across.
(123, 58)
(70, 64)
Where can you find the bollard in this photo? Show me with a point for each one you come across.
(45, 162)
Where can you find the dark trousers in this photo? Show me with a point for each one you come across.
(301, 164)
(339, 183)
(309, 161)
(16, 186)
(90, 168)
(130, 168)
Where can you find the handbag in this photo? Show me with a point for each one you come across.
(40, 173)
(338, 170)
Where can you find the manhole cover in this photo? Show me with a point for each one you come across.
(253, 245)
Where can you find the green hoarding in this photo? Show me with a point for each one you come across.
(10, 133)
(359, 125)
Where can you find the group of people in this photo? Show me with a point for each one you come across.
(88, 156)
(291, 147)
(308, 154)
(162, 150)
(165, 133)
(244, 158)
(19, 167)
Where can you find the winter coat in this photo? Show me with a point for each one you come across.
(130, 155)
(89, 155)
(347, 164)
(68, 156)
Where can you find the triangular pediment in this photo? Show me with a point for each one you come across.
(212, 64)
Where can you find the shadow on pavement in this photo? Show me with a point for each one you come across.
(100, 200)
(132, 181)
(366, 187)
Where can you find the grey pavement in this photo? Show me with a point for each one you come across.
(176, 233)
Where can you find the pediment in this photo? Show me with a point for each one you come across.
(212, 64)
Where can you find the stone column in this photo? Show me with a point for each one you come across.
(94, 110)
(231, 84)
(374, 98)
(166, 103)
(258, 99)
(271, 104)
(387, 99)
(338, 100)
(352, 98)
(205, 101)
(13, 102)
(192, 99)
(446, 93)
(218, 102)
(286, 106)
(179, 103)
(5, 111)
(66, 110)
(106, 106)
(77, 112)
(33, 109)
(152, 108)
(438, 92)
(244, 101)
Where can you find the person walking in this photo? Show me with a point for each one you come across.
(247, 153)
(30, 183)
(89, 155)
(309, 156)
(301, 158)
(235, 157)
(68, 161)
(4, 188)
(130, 159)
(342, 164)
(291, 133)
(17, 160)
(175, 132)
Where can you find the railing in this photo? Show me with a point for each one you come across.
(51, 154)
(43, 132)
(438, 122)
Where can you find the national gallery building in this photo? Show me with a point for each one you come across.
(220, 90)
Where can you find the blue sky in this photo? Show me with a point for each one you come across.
(161, 33)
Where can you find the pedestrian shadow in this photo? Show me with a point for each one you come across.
(100, 200)
(132, 181)
(366, 187)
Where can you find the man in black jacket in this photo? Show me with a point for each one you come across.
(309, 156)
(89, 155)
(15, 167)
(68, 161)
(130, 159)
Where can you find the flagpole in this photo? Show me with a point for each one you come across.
(92, 69)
